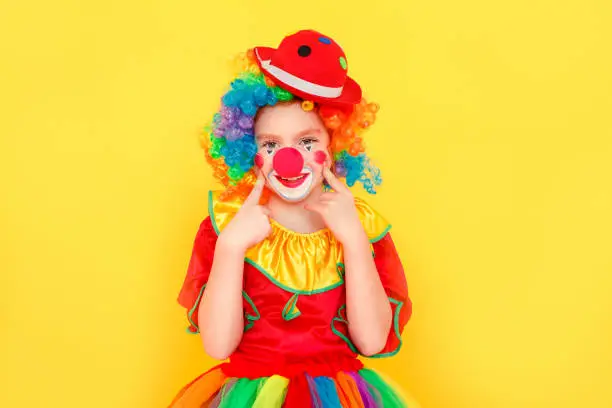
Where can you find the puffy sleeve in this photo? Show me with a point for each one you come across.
(392, 276)
(196, 278)
(198, 271)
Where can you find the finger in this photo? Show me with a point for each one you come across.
(259, 173)
(255, 194)
(328, 162)
(334, 182)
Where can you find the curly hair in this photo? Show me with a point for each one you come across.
(229, 141)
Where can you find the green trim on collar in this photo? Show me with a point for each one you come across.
(287, 288)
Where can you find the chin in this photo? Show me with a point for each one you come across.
(294, 189)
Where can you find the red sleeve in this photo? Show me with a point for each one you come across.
(392, 276)
(198, 272)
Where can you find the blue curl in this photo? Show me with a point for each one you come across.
(240, 152)
(249, 95)
(235, 121)
(359, 169)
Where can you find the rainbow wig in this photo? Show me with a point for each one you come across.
(229, 142)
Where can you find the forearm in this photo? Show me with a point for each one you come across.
(368, 309)
(220, 313)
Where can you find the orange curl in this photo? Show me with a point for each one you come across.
(346, 128)
(269, 82)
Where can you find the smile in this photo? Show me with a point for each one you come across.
(292, 182)
(292, 188)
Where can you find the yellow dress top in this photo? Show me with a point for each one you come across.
(302, 263)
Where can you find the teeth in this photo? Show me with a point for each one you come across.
(292, 178)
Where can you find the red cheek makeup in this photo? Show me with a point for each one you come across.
(320, 156)
(259, 161)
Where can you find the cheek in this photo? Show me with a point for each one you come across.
(263, 162)
(320, 156)
(259, 160)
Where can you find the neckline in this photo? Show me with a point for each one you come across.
(281, 227)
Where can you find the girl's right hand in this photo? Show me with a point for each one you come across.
(251, 224)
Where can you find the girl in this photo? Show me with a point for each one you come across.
(291, 277)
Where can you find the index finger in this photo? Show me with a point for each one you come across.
(334, 182)
(255, 194)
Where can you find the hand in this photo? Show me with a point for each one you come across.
(251, 224)
(338, 210)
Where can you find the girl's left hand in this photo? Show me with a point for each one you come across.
(338, 210)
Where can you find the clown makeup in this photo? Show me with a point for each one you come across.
(292, 145)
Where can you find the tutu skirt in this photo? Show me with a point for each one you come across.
(363, 388)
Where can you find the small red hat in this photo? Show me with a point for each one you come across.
(311, 66)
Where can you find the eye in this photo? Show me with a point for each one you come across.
(269, 147)
(308, 143)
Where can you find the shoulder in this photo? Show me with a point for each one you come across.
(374, 224)
(220, 212)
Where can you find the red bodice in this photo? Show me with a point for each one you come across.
(287, 332)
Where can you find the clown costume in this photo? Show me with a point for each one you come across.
(296, 347)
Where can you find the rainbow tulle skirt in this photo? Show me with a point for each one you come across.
(362, 388)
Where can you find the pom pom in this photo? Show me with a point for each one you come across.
(307, 106)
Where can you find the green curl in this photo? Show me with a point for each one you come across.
(281, 94)
(216, 144)
(235, 173)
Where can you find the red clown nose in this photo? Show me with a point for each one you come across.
(288, 162)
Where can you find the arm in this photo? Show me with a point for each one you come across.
(368, 311)
(367, 306)
(220, 312)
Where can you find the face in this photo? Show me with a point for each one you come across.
(292, 149)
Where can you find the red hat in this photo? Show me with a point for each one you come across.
(311, 66)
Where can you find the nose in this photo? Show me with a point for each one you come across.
(288, 162)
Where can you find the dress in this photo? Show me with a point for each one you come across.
(296, 351)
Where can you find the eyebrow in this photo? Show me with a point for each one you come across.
(308, 131)
(272, 136)
(267, 136)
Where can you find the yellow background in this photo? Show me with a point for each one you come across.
(494, 137)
